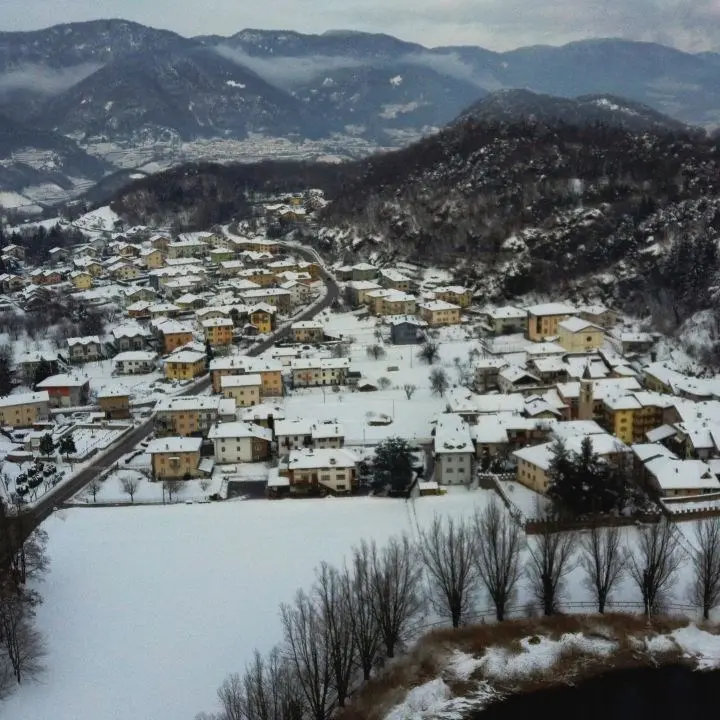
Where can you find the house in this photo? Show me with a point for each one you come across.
(454, 294)
(218, 331)
(139, 310)
(274, 296)
(163, 310)
(406, 329)
(391, 302)
(394, 280)
(514, 379)
(311, 470)
(66, 390)
(672, 477)
(152, 258)
(186, 415)
(486, 371)
(307, 331)
(327, 435)
(550, 370)
(506, 320)
(438, 312)
(533, 463)
(188, 248)
(124, 270)
(174, 334)
(543, 320)
(237, 442)
(359, 290)
(84, 349)
(115, 403)
(269, 370)
(637, 342)
(245, 390)
(499, 435)
(175, 458)
(136, 294)
(130, 336)
(300, 293)
(262, 277)
(45, 277)
(577, 335)
(599, 315)
(262, 317)
(81, 280)
(313, 372)
(24, 410)
(266, 414)
(135, 362)
(364, 271)
(585, 398)
(453, 450)
(89, 265)
(17, 252)
(28, 363)
(185, 365)
(630, 416)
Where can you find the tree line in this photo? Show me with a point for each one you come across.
(356, 617)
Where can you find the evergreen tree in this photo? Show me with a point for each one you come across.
(44, 370)
(392, 466)
(209, 352)
(47, 446)
(563, 489)
(6, 371)
(67, 445)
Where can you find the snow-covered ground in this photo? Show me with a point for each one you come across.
(148, 608)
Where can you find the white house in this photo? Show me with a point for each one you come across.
(309, 469)
(454, 450)
(236, 442)
(135, 362)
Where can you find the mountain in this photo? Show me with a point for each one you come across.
(188, 93)
(30, 158)
(514, 105)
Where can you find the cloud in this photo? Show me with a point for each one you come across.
(45, 80)
(287, 72)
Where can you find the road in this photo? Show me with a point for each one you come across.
(45, 506)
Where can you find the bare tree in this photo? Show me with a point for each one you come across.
(306, 638)
(409, 390)
(429, 352)
(384, 383)
(603, 560)
(335, 611)
(376, 352)
(447, 551)
(172, 487)
(499, 542)
(549, 563)
(232, 698)
(705, 590)
(396, 600)
(94, 487)
(653, 564)
(130, 484)
(23, 644)
(363, 622)
(439, 382)
(269, 689)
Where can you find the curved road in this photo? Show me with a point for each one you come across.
(46, 505)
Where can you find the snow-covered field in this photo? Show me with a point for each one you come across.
(148, 608)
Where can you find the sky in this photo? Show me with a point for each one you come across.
(691, 25)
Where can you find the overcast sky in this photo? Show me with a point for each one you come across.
(692, 25)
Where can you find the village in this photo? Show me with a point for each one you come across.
(255, 370)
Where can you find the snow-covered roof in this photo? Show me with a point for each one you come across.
(649, 451)
(514, 374)
(674, 474)
(246, 364)
(130, 330)
(452, 289)
(135, 356)
(185, 356)
(24, 399)
(239, 430)
(363, 285)
(306, 325)
(230, 381)
(217, 322)
(63, 380)
(174, 445)
(85, 340)
(605, 387)
(555, 308)
(263, 411)
(541, 455)
(296, 427)
(309, 458)
(168, 326)
(452, 436)
(660, 433)
(319, 363)
(576, 325)
(327, 430)
(574, 428)
(186, 403)
(405, 319)
(544, 348)
(595, 309)
(437, 306)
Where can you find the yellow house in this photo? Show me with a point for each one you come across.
(175, 458)
(94, 268)
(260, 276)
(124, 271)
(24, 410)
(218, 331)
(152, 258)
(81, 280)
(245, 390)
(438, 312)
(630, 416)
(263, 318)
(543, 320)
(185, 365)
(455, 294)
(307, 331)
(385, 302)
(577, 335)
(270, 372)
